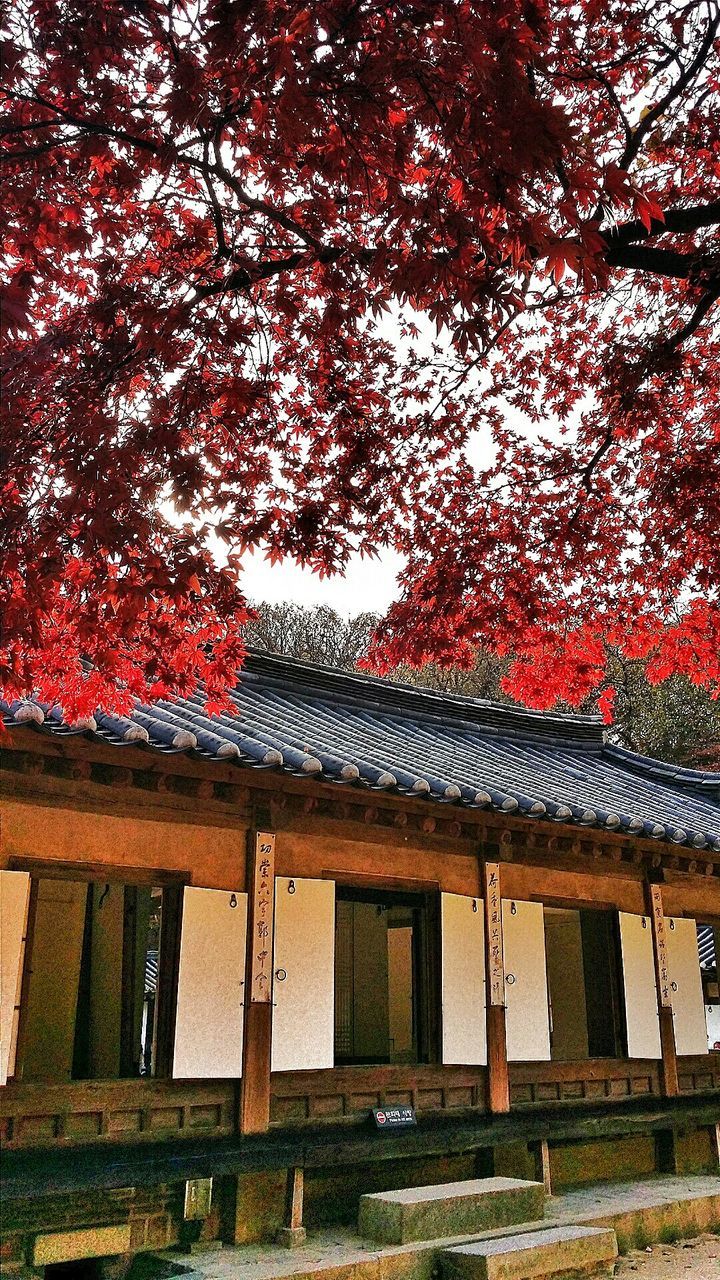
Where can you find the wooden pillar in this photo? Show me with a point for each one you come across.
(257, 1034)
(669, 1070)
(293, 1233)
(498, 1090)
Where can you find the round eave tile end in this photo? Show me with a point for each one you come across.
(29, 713)
(136, 733)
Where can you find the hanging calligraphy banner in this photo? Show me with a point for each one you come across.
(493, 925)
(261, 942)
(660, 939)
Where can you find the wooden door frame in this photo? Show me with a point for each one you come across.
(172, 885)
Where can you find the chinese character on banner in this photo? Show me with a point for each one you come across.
(493, 924)
(660, 940)
(263, 903)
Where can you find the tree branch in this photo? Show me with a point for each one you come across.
(681, 221)
(645, 257)
(696, 319)
(676, 89)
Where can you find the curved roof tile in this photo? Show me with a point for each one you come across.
(358, 730)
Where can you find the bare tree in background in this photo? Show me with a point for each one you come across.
(314, 635)
(674, 721)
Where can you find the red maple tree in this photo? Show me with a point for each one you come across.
(230, 227)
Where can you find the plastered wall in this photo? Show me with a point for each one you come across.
(214, 857)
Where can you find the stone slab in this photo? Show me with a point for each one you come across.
(683, 1205)
(449, 1209)
(291, 1237)
(641, 1213)
(552, 1251)
(72, 1246)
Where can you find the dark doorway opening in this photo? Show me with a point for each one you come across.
(382, 990)
(82, 1269)
(581, 949)
(101, 1020)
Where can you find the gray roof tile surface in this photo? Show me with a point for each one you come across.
(360, 731)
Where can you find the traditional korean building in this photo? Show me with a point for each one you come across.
(226, 940)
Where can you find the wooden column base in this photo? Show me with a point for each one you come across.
(497, 1076)
(671, 1084)
(255, 1083)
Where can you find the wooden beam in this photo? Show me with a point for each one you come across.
(257, 1035)
(221, 802)
(120, 873)
(498, 1084)
(669, 1081)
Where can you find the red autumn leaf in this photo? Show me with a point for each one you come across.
(226, 247)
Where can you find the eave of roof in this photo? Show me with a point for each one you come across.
(357, 730)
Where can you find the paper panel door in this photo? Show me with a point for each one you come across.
(526, 994)
(638, 965)
(14, 898)
(463, 980)
(686, 985)
(211, 983)
(303, 1028)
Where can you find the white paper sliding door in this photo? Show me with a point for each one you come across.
(464, 1040)
(686, 985)
(211, 982)
(638, 965)
(14, 898)
(526, 993)
(303, 1029)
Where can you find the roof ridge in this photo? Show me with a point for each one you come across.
(393, 692)
(648, 765)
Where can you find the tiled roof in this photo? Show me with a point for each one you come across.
(360, 731)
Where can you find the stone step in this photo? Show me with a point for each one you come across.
(449, 1209)
(530, 1255)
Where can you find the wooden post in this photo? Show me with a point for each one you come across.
(654, 903)
(293, 1232)
(542, 1165)
(257, 1035)
(498, 1091)
(715, 1140)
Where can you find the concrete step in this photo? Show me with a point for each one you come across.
(449, 1209)
(552, 1251)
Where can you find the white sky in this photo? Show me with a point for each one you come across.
(367, 585)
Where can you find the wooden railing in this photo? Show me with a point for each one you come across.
(350, 1092)
(51, 1115)
(609, 1079)
(699, 1074)
(117, 1111)
(595, 1079)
